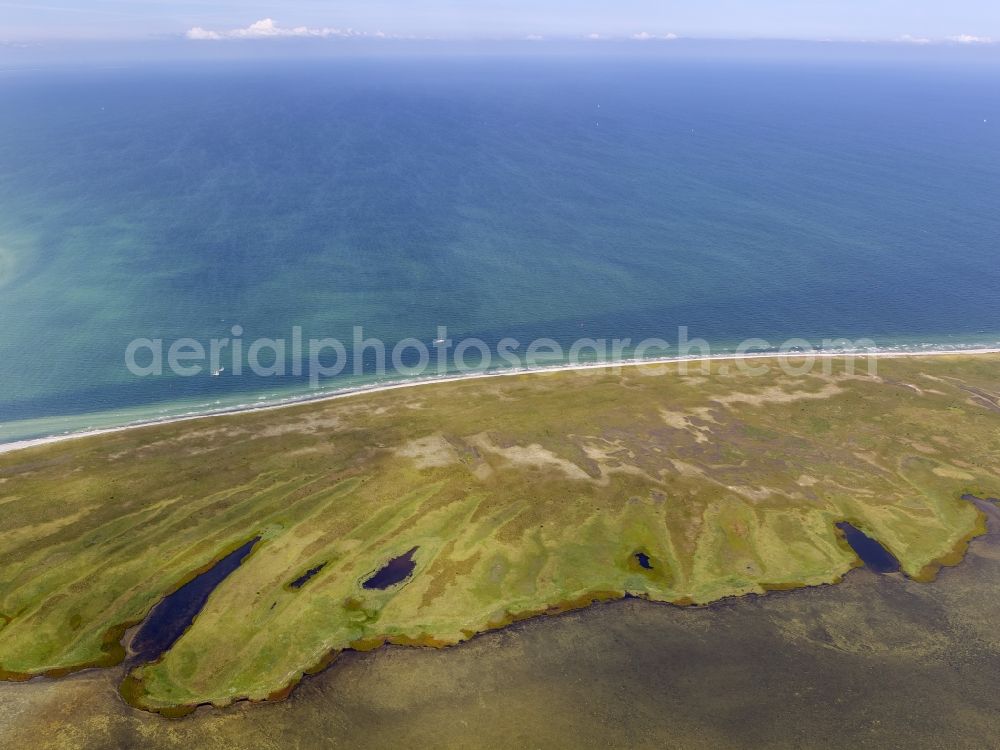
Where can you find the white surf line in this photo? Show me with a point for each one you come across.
(541, 370)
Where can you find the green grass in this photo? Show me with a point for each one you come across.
(524, 494)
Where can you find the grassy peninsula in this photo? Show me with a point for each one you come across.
(522, 495)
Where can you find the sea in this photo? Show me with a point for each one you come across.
(557, 197)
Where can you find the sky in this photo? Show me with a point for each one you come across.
(908, 21)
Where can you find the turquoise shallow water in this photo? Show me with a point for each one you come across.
(524, 198)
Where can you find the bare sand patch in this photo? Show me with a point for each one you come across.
(429, 452)
(684, 421)
(751, 493)
(952, 472)
(531, 455)
(778, 395)
(612, 457)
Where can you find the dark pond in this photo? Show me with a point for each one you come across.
(175, 613)
(643, 559)
(303, 579)
(397, 570)
(872, 554)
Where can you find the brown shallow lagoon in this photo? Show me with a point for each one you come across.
(876, 661)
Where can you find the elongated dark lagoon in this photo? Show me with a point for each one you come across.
(303, 579)
(172, 616)
(397, 570)
(872, 553)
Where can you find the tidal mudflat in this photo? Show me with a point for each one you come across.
(485, 503)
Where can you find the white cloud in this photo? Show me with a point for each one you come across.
(910, 39)
(266, 28)
(199, 33)
(969, 39)
(645, 36)
(534, 38)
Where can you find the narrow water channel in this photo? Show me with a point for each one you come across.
(303, 579)
(174, 614)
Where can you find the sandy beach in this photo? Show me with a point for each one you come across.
(416, 382)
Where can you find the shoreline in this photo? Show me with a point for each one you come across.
(19, 445)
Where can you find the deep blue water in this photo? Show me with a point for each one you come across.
(524, 198)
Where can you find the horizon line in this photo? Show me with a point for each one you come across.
(266, 30)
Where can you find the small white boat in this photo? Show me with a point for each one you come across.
(438, 341)
(217, 373)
